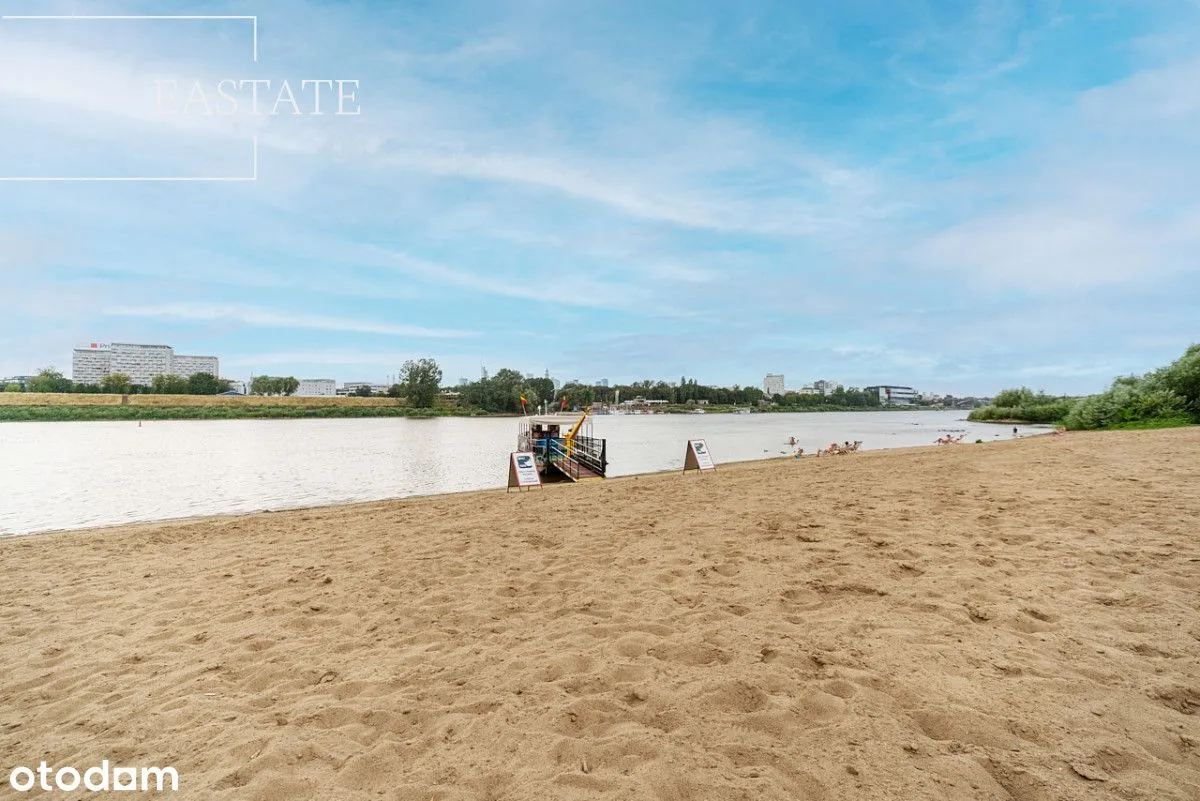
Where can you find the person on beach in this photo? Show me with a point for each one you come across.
(1015, 434)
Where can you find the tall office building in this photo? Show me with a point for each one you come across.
(184, 366)
(140, 362)
(773, 384)
(90, 365)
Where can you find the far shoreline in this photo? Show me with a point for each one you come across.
(80, 413)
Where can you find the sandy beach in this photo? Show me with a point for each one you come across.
(1014, 620)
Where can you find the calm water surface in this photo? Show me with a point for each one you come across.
(75, 475)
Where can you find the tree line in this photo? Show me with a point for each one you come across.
(503, 391)
(273, 385)
(50, 380)
(1168, 396)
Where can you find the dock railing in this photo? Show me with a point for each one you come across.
(559, 458)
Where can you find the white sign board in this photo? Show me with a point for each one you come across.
(522, 470)
(697, 456)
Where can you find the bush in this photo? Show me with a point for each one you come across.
(1126, 402)
(1043, 409)
(1014, 397)
(1181, 377)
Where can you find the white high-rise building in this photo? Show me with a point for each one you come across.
(140, 362)
(186, 366)
(773, 384)
(90, 365)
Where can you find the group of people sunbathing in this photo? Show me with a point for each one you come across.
(833, 450)
(949, 440)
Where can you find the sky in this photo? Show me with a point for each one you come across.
(954, 196)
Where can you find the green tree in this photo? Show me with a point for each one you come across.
(362, 391)
(540, 389)
(273, 385)
(421, 379)
(169, 385)
(1182, 377)
(50, 380)
(12, 386)
(116, 384)
(205, 384)
(396, 391)
(1014, 397)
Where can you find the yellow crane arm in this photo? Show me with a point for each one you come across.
(575, 430)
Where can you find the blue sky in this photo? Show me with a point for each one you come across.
(958, 196)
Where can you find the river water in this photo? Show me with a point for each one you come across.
(77, 475)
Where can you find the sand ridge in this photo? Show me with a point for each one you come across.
(1016, 620)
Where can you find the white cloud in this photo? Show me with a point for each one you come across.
(882, 354)
(1104, 368)
(1108, 200)
(273, 318)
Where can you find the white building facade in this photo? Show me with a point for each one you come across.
(316, 387)
(186, 366)
(140, 362)
(891, 395)
(350, 386)
(773, 384)
(90, 365)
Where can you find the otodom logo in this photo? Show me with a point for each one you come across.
(100, 778)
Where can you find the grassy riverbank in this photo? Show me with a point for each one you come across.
(60, 414)
(76, 407)
(68, 407)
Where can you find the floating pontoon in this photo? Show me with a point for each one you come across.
(573, 456)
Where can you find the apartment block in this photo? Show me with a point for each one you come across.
(773, 384)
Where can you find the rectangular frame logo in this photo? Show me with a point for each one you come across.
(253, 176)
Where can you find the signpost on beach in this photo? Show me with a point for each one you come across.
(522, 471)
(697, 456)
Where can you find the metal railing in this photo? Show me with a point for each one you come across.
(591, 454)
(559, 458)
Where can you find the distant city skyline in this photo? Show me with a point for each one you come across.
(773, 383)
(981, 195)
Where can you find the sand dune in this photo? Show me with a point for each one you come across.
(1016, 620)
